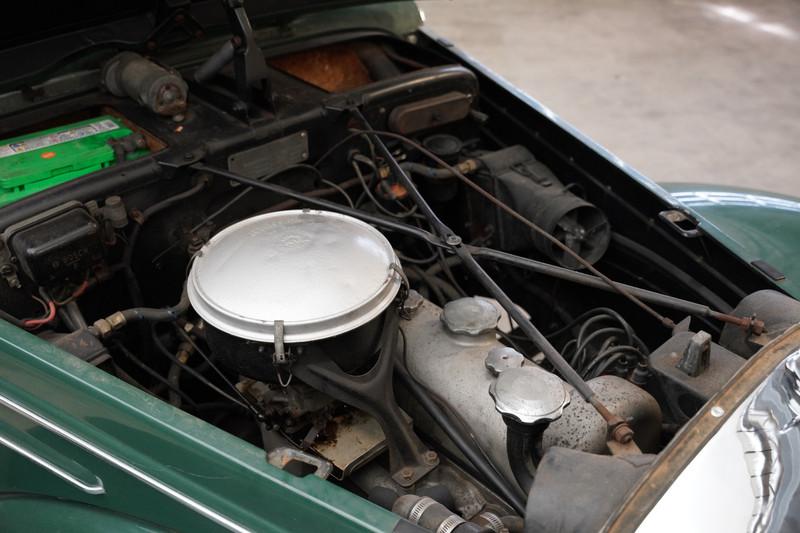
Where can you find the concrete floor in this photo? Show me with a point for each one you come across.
(683, 91)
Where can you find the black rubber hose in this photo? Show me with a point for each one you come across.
(158, 377)
(150, 314)
(215, 62)
(521, 446)
(378, 64)
(380, 221)
(194, 373)
(588, 280)
(479, 462)
(12, 319)
(426, 171)
(127, 256)
(634, 248)
(174, 379)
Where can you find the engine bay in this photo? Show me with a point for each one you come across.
(349, 256)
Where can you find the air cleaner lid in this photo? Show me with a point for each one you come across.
(322, 273)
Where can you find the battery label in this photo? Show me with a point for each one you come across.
(52, 139)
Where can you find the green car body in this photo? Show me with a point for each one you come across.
(756, 225)
(83, 451)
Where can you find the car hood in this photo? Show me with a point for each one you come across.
(760, 227)
(59, 19)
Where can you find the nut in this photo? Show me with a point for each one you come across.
(117, 320)
(623, 434)
(103, 327)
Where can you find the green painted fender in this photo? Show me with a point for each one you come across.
(25, 513)
(756, 225)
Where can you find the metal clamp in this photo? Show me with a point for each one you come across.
(280, 457)
(419, 508)
(450, 524)
(280, 358)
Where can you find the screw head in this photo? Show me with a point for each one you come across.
(431, 457)
(406, 473)
(453, 240)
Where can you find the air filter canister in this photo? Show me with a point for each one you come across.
(323, 274)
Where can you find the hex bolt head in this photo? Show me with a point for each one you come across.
(431, 457)
(406, 473)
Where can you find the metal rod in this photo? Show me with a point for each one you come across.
(692, 308)
(449, 236)
(333, 206)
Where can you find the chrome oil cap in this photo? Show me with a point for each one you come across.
(321, 273)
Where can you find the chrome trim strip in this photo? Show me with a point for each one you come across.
(96, 488)
(122, 465)
(765, 424)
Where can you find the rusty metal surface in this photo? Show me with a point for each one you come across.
(353, 440)
(430, 112)
(723, 364)
(332, 68)
(697, 432)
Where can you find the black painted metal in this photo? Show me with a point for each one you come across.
(373, 393)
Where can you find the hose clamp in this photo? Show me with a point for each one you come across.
(450, 524)
(419, 508)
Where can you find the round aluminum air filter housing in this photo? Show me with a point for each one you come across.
(321, 273)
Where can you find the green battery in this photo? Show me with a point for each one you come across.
(37, 161)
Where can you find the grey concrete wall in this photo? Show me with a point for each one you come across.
(683, 91)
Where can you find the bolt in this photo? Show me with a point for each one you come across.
(412, 302)
(406, 473)
(188, 156)
(431, 457)
(623, 434)
(453, 240)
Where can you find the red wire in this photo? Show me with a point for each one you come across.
(33, 322)
(78, 292)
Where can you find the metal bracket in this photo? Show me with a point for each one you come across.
(7, 269)
(280, 358)
(280, 457)
(681, 223)
(373, 393)
(249, 65)
(696, 357)
(178, 20)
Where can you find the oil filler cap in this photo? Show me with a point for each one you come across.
(470, 316)
(529, 395)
